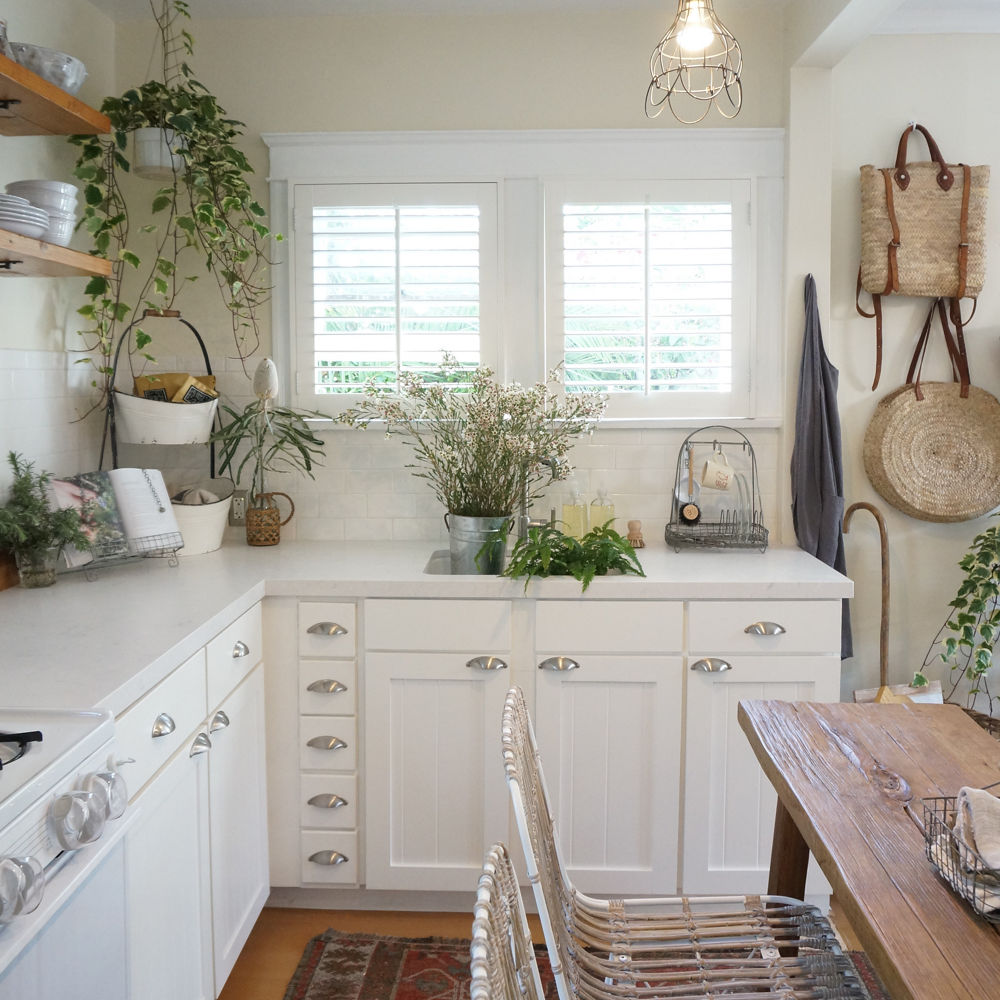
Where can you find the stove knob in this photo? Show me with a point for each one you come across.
(22, 882)
(109, 786)
(78, 818)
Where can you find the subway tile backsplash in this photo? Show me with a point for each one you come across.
(363, 489)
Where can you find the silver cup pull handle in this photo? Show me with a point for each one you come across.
(327, 743)
(326, 628)
(219, 721)
(327, 686)
(711, 665)
(163, 725)
(201, 744)
(327, 800)
(560, 663)
(486, 663)
(329, 858)
(240, 649)
(765, 628)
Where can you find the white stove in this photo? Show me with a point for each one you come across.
(61, 803)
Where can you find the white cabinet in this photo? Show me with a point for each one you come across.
(609, 731)
(435, 680)
(196, 858)
(788, 650)
(167, 871)
(238, 821)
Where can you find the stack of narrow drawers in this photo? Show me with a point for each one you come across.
(328, 743)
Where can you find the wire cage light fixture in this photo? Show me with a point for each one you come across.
(696, 64)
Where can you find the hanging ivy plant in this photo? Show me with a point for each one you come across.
(205, 213)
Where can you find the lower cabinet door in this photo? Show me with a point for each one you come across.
(436, 797)
(609, 735)
(167, 879)
(728, 802)
(238, 794)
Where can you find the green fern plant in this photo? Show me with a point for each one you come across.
(546, 551)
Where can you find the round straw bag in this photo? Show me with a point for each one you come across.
(932, 449)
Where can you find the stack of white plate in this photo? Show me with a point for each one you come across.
(17, 215)
(55, 198)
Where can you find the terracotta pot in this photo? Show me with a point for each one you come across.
(264, 519)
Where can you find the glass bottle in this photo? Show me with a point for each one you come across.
(4, 44)
(574, 513)
(602, 510)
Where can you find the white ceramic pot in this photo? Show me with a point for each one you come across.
(155, 154)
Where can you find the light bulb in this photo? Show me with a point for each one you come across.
(696, 35)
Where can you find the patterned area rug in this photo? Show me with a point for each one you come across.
(345, 966)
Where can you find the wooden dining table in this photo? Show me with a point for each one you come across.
(850, 779)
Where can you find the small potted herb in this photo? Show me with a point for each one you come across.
(32, 529)
(548, 552)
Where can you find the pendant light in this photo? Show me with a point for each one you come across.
(696, 64)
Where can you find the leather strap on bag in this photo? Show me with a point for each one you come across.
(945, 177)
(956, 353)
(875, 314)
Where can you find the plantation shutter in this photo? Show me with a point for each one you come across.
(648, 298)
(397, 275)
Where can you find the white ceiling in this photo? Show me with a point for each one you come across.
(914, 16)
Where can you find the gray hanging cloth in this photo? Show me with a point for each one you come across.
(817, 469)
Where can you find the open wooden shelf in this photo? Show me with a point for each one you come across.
(25, 256)
(42, 108)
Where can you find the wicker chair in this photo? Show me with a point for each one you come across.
(736, 947)
(503, 957)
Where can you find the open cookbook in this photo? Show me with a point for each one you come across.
(125, 512)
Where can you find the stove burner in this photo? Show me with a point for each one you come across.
(13, 746)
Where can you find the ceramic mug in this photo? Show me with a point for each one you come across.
(716, 473)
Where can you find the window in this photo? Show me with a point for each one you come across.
(647, 297)
(396, 275)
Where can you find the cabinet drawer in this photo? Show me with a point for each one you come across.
(609, 626)
(336, 801)
(327, 678)
(720, 626)
(476, 626)
(180, 698)
(233, 653)
(320, 841)
(321, 642)
(338, 759)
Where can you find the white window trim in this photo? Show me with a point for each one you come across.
(521, 163)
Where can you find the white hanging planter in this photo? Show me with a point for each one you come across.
(156, 154)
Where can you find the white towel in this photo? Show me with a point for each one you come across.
(977, 823)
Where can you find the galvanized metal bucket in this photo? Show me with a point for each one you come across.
(477, 544)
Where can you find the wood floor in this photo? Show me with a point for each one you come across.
(280, 936)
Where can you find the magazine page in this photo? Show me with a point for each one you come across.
(146, 511)
(92, 494)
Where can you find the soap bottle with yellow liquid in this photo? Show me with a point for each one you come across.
(602, 511)
(574, 513)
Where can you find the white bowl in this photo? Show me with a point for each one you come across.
(65, 71)
(60, 231)
(44, 194)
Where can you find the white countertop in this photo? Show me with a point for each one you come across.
(105, 642)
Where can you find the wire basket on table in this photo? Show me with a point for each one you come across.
(957, 863)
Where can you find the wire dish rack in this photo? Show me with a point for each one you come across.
(957, 863)
(728, 518)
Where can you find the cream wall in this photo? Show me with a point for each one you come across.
(876, 91)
